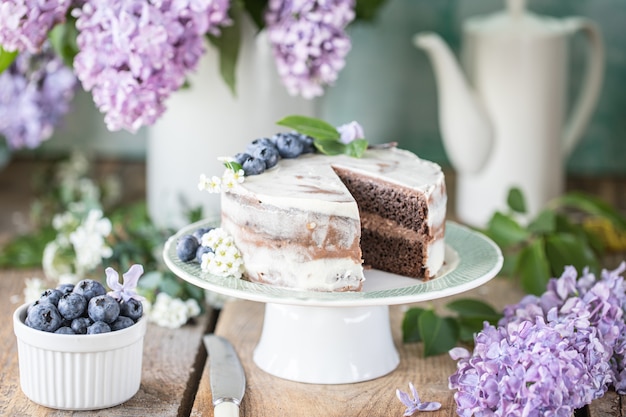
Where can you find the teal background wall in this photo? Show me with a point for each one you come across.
(389, 86)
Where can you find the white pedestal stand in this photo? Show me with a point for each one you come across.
(357, 343)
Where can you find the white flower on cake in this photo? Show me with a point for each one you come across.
(225, 260)
(232, 176)
(212, 185)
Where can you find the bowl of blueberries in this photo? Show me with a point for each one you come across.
(80, 347)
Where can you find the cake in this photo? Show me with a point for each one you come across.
(316, 221)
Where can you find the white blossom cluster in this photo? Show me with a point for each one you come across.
(225, 260)
(229, 179)
(172, 312)
(80, 244)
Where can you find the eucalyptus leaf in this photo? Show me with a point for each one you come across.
(439, 334)
(533, 267)
(410, 327)
(316, 128)
(6, 58)
(515, 200)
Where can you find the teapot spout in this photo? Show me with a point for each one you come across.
(465, 128)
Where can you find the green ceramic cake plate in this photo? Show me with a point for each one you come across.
(333, 338)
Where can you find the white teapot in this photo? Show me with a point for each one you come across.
(505, 124)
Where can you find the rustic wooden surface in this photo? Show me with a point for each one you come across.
(175, 379)
(172, 362)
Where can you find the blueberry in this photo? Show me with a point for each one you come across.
(89, 288)
(201, 251)
(253, 166)
(65, 330)
(289, 145)
(241, 157)
(103, 308)
(81, 324)
(201, 232)
(186, 248)
(66, 288)
(122, 322)
(268, 154)
(44, 317)
(51, 296)
(131, 308)
(307, 144)
(72, 305)
(98, 327)
(260, 142)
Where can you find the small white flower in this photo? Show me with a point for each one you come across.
(88, 240)
(34, 288)
(215, 237)
(172, 312)
(212, 185)
(232, 178)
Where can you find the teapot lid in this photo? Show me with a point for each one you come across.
(515, 19)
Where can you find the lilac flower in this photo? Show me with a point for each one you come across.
(350, 131)
(309, 42)
(414, 404)
(35, 94)
(124, 291)
(134, 53)
(549, 354)
(24, 24)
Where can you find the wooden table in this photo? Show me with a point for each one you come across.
(175, 379)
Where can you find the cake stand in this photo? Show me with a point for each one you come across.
(336, 338)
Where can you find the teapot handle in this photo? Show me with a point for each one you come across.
(592, 83)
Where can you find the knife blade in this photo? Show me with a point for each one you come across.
(228, 379)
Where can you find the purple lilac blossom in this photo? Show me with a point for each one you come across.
(126, 290)
(549, 354)
(350, 131)
(414, 404)
(135, 53)
(309, 42)
(24, 24)
(35, 94)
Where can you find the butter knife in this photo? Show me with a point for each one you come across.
(228, 380)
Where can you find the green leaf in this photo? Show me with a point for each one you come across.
(227, 45)
(367, 9)
(515, 200)
(330, 147)
(316, 128)
(544, 223)
(468, 327)
(593, 205)
(63, 40)
(534, 268)
(468, 307)
(233, 166)
(439, 334)
(356, 148)
(6, 58)
(256, 10)
(505, 231)
(565, 249)
(410, 327)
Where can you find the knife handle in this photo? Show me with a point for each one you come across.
(226, 409)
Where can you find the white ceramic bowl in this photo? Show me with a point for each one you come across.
(79, 372)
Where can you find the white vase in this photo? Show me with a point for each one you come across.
(207, 121)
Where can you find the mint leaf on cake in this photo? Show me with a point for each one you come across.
(347, 139)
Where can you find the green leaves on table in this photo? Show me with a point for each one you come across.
(539, 249)
(441, 333)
